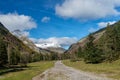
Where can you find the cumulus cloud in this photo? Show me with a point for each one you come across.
(92, 30)
(54, 42)
(25, 33)
(87, 9)
(14, 21)
(104, 24)
(101, 25)
(19, 33)
(45, 19)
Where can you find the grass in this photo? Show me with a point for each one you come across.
(28, 73)
(111, 70)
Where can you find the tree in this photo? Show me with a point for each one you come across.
(36, 56)
(14, 57)
(24, 59)
(79, 54)
(54, 56)
(3, 53)
(91, 53)
(111, 43)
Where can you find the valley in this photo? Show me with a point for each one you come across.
(59, 39)
(95, 57)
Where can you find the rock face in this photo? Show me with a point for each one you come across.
(29, 43)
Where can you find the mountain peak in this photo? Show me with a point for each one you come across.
(46, 45)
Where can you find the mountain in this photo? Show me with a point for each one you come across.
(74, 47)
(53, 47)
(56, 49)
(12, 40)
(19, 34)
(46, 45)
(14, 49)
(43, 49)
(99, 40)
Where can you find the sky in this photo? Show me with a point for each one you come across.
(58, 22)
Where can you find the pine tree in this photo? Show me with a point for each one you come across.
(24, 59)
(91, 53)
(111, 42)
(3, 53)
(14, 57)
(79, 53)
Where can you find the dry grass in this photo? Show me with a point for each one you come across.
(111, 70)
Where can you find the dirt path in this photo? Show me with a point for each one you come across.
(62, 72)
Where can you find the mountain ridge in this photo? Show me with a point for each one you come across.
(32, 45)
(97, 35)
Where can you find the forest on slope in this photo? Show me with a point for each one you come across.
(14, 52)
(100, 46)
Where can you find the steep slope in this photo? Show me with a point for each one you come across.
(19, 34)
(14, 46)
(25, 40)
(2, 28)
(74, 47)
(44, 51)
(12, 40)
(103, 45)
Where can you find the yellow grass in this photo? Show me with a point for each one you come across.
(111, 70)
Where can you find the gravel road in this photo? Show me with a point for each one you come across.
(62, 72)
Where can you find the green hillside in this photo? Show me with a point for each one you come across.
(102, 45)
(12, 50)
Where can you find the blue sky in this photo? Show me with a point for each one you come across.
(43, 20)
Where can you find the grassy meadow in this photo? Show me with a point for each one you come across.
(28, 73)
(111, 70)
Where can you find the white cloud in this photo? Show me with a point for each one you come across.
(92, 30)
(101, 25)
(14, 21)
(45, 19)
(104, 24)
(19, 33)
(54, 42)
(25, 33)
(87, 9)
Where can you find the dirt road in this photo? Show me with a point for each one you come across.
(62, 72)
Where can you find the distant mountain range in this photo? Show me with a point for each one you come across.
(16, 48)
(56, 49)
(44, 48)
(47, 45)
